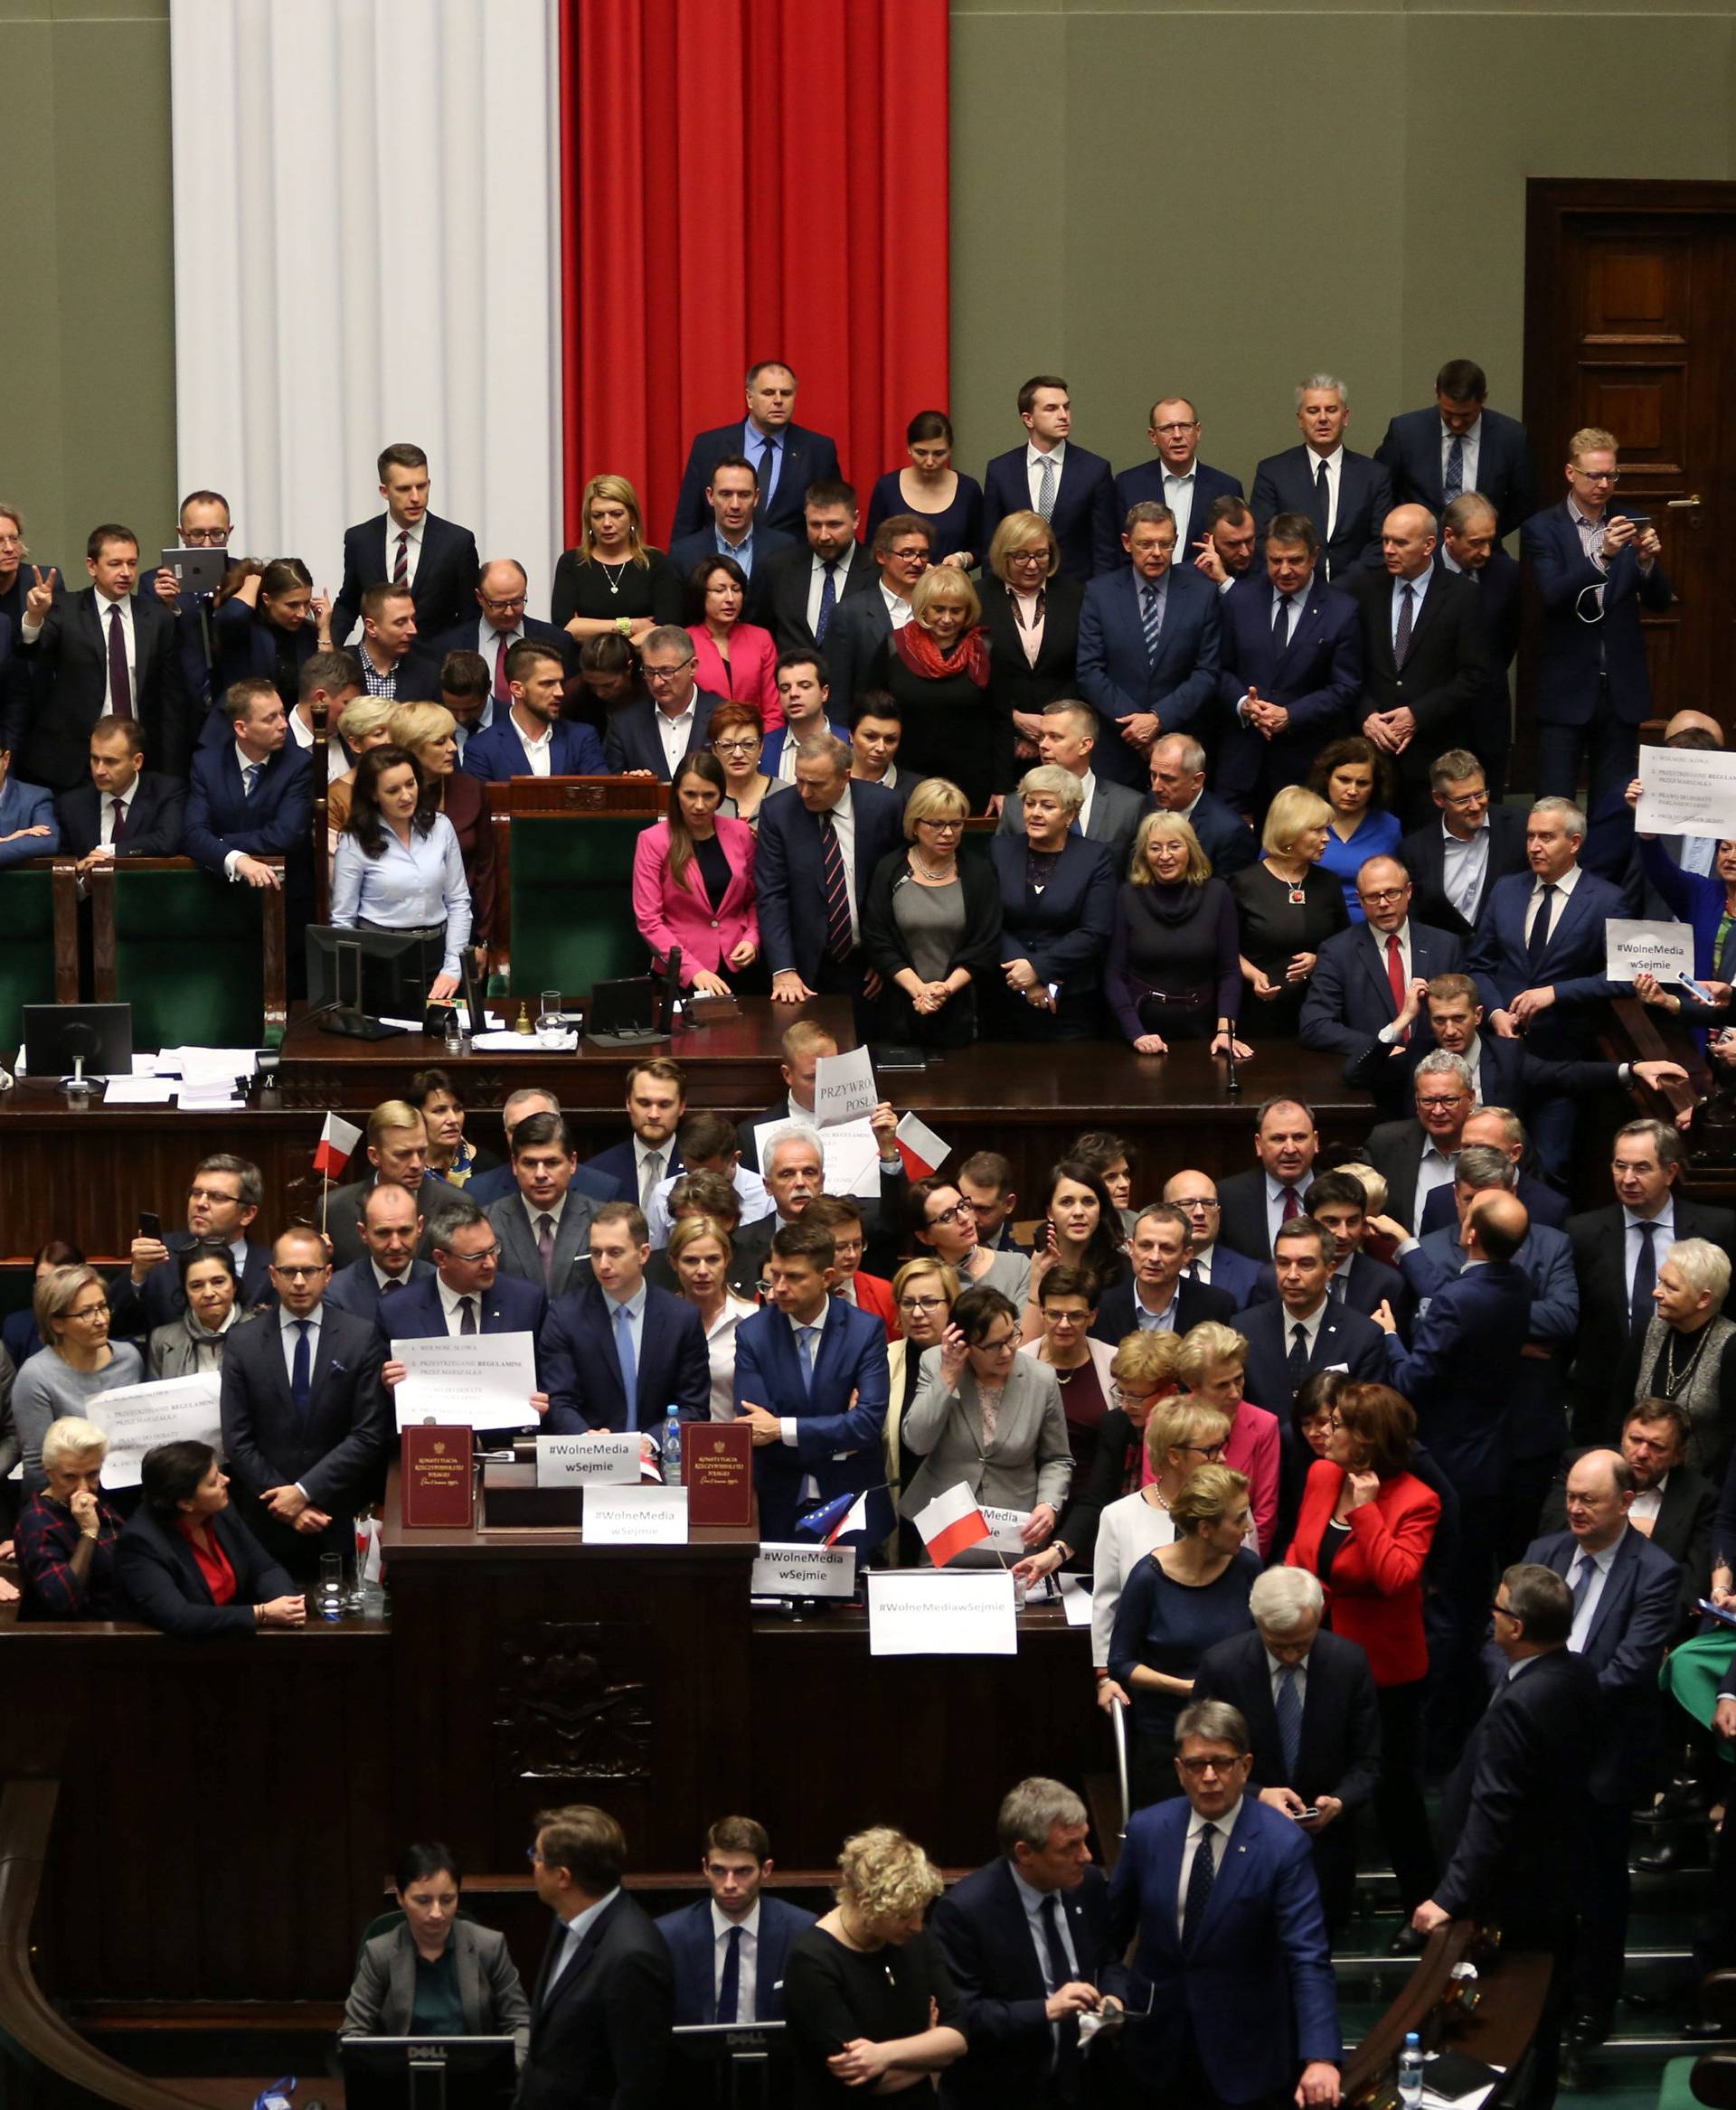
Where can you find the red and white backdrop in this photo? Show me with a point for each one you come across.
(544, 239)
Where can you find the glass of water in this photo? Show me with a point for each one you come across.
(547, 1012)
(331, 1586)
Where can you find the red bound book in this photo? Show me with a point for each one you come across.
(717, 1467)
(437, 1482)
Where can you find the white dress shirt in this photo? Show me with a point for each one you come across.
(1033, 1902)
(747, 1959)
(1647, 1502)
(452, 1303)
(538, 752)
(106, 807)
(1465, 869)
(844, 825)
(1196, 1826)
(1275, 1671)
(412, 550)
(1470, 447)
(1564, 886)
(1334, 462)
(1035, 457)
(1088, 786)
(1587, 1613)
(897, 607)
(1275, 1193)
(643, 1153)
(489, 636)
(577, 1928)
(719, 1352)
(675, 730)
(1390, 1031)
(289, 1337)
(1178, 495)
(1310, 1325)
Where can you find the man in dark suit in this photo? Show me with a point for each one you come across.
(532, 737)
(1228, 550)
(1253, 1204)
(1233, 1953)
(804, 680)
(1346, 495)
(1177, 479)
(254, 797)
(1292, 668)
(1071, 489)
(1460, 446)
(392, 664)
(1157, 1297)
(902, 550)
(604, 2003)
(484, 1189)
(811, 935)
(125, 810)
(1305, 1330)
(1364, 978)
(1148, 646)
(223, 1200)
(1308, 1700)
(729, 1951)
(1025, 1941)
(1617, 1252)
(102, 652)
(1177, 775)
(305, 1416)
(1626, 1597)
(408, 545)
(545, 1227)
(654, 736)
(811, 1376)
(1456, 860)
(1426, 669)
(1499, 1128)
(1468, 546)
(496, 623)
(464, 1293)
(203, 524)
(1517, 1806)
(786, 458)
(1673, 1505)
(29, 826)
(735, 528)
(397, 1156)
(1112, 812)
(1358, 1282)
(619, 1353)
(656, 1104)
(1209, 1261)
(390, 1228)
(804, 587)
(1593, 570)
(1415, 1156)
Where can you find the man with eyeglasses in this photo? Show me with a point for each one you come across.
(464, 1291)
(1209, 1261)
(1416, 1156)
(653, 736)
(500, 623)
(1177, 479)
(205, 524)
(1157, 1298)
(305, 1419)
(533, 736)
(903, 549)
(1593, 568)
(223, 1198)
(1456, 860)
(1365, 976)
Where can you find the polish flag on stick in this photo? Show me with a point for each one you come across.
(922, 1149)
(950, 1523)
(337, 1140)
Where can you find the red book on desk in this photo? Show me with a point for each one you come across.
(437, 1482)
(717, 1465)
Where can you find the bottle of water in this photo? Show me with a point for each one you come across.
(670, 1448)
(1410, 2072)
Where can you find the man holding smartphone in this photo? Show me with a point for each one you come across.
(223, 1198)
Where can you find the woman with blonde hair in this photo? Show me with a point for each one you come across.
(931, 922)
(67, 1536)
(76, 1362)
(936, 669)
(365, 722)
(1289, 904)
(1174, 966)
(1031, 619)
(428, 734)
(1682, 1353)
(700, 1251)
(924, 1291)
(1212, 1364)
(1057, 908)
(611, 581)
(872, 2008)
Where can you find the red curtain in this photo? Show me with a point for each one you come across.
(743, 180)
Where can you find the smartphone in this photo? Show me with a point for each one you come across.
(1639, 522)
(150, 1225)
(1698, 991)
(1047, 1241)
(1304, 1817)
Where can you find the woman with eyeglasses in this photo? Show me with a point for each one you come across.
(1031, 619)
(936, 669)
(611, 580)
(1213, 1366)
(924, 1291)
(738, 738)
(943, 1226)
(1178, 1601)
(76, 1364)
(1068, 1301)
(931, 925)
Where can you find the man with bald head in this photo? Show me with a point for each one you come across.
(1365, 978)
(1470, 546)
(1426, 660)
(497, 623)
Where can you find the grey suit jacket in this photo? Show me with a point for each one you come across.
(518, 1253)
(1117, 811)
(1027, 1461)
(383, 1999)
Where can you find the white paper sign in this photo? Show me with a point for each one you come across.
(844, 1088)
(804, 1572)
(1634, 947)
(1004, 1531)
(636, 1516)
(1686, 791)
(138, 1417)
(928, 1611)
(603, 1460)
(484, 1379)
(850, 1158)
(1075, 1599)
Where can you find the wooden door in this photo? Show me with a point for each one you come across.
(1629, 303)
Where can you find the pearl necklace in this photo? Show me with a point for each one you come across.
(949, 870)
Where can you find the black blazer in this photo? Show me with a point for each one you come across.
(70, 662)
(781, 585)
(1345, 1340)
(1411, 454)
(153, 820)
(1497, 588)
(1424, 854)
(163, 1586)
(334, 1451)
(633, 741)
(1195, 1303)
(444, 587)
(1224, 836)
(1064, 931)
(1241, 1204)
(599, 2035)
(787, 872)
(1445, 681)
(978, 952)
(1084, 520)
(808, 458)
(1285, 483)
(861, 624)
(1014, 684)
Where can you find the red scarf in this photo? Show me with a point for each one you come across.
(920, 651)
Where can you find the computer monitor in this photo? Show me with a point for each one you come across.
(624, 1014)
(732, 2066)
(61, 1037)
(379, 974)
(429, 2073)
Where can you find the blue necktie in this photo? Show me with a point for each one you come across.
(1290, 1722)
(250, 777)
(301, 1371)
(1151, 619)
(807, 1335)
(628, 1362)
(729, 1994)
(1198, 1886)
(828, 603)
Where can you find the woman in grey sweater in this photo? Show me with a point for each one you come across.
(77, 1361)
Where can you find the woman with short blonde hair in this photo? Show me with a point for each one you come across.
(67, 1534)
(1174, 963)
(931, 922)
(1287, 904)
(936, 670)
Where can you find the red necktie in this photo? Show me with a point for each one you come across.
(119, 826)
(1395, 978)
(120, 683)
(1292, 1206)
(502, 694)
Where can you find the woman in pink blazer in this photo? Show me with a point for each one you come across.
(735, 659)
(693, 881)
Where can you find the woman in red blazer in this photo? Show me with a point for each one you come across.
(693, 881)
(1366, 1528)
(736, 660)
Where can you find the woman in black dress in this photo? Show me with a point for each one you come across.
(936, 669)
(949, 502)
(611, 581)
(1175, 969)
(1288, 905)
(1030, 618)
(871, 2009)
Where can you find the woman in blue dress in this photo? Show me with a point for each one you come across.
(1355, 779)
(950, 503)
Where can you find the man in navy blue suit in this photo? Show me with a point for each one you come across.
(1148, 646)
(654, 736)
(1026, 1940)
(735, 526)
(532, 738)
(1175, 772)
(1365, 978)
(619, 1353)
(407, 545)
(1159, 1295)
(466, 1292)
(786, 458)
(126, 810)
(1593, 570)
(1469, 547)
(730, 1950)
(1231, 1987)
(803, 681)
(1436, 455)
(1346, 495)
(811, 1377)
(1071, 489)
(1292, 668)
(1306, 1330)
(1209, 1259)
(1456, 858)
(656, 1104)
(499, 622)
(29, 826)
(389, 1224)
(1178, 478)
(252, 797)
(1358, 1282)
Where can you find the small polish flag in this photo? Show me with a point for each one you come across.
(841, 1514)
(951, 1523)
(920, 1148)
(337, 1140)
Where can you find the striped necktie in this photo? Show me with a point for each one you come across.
(1151, 619)
(838, 938)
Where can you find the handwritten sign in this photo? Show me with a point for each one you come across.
(916, 1612)
(804, 1572)
(482, 1380)
(138, 1417)
(1686, 791)
(1633, 948)
(844, 1088)
(603, 1460)
(850, 1159)
(636, 1516)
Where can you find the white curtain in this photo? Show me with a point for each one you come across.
(367, 250)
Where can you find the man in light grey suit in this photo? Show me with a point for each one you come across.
(1111, 812)
(544, 1225)
(903, 548)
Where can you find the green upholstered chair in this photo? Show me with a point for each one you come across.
(39, 939)
(201, 962)
(563, 865)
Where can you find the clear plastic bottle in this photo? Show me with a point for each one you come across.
(669, 1446)
(1411, 2073)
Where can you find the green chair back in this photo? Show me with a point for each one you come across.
(26, 949)
(572, 902)
(190, 959)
